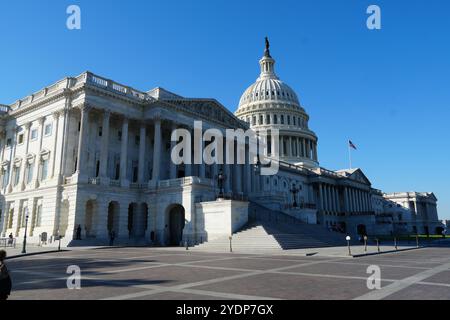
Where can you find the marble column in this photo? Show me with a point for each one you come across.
(157, 150)
(81, 150)
(24, 160)
(346, 203)
(55, 131)
(290, 153)
(248, 171)
(282, 146)
(142, 149)
(308, 149)
(104, 149)
(303, 147)
(321, 196)
(124, 154)
(82, 140)
(173, 166)
(352, 200)
(315, 152)
(237, 177)
(202, 166)
(338, 202)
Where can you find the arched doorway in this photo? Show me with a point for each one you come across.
(89, 222)
(113, 217)
(176, 224)
(362, 230)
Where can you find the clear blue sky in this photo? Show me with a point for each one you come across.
(387, 90)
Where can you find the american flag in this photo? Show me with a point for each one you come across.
(351, 145)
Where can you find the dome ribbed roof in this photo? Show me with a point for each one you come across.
(269, 90)
(268, 87)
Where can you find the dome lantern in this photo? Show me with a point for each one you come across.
(268, 104)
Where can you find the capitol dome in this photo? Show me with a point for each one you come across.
(270, 103)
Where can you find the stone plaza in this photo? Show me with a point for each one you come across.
(176, 274)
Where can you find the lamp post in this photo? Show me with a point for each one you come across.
(220, 180)
(59, 243)
(348, 245)
(294, 192)
(24, 250)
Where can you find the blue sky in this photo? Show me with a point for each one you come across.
(387, 90)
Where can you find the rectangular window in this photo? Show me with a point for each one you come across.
(119, 135)
(29, 173)
(44, 170)
(20, 138)
(39, 215)
(5, 178)
(34, 134)
(48, 129)
(100, 131)
(8, 142)
(137, 139)
(24, 217)
(16, 175)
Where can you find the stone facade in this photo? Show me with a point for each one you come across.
(90, 152)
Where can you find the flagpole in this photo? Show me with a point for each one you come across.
(350, 155)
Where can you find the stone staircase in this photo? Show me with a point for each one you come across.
(269, 230)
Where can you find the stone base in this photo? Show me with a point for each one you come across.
(220, 218)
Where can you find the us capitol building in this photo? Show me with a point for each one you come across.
(91, 154)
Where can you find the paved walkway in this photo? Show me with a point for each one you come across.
(167, 274)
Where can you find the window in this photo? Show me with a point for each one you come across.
(275, 119)
(268, 119)
(16, 176)
(261, 120)
(5, 177)
(119, 135)
(288, 120)
(8, 142)
(38, 215)
(97, 168)
(20, 138)
(34, 134)
(29, 172)
(11, 217)
(282, 119)
(48, 129)
(44, 172)
(100, 131)
(24, 216)
(137, 138)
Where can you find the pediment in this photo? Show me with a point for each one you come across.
(360, 177)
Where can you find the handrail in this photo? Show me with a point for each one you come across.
(7, 242)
